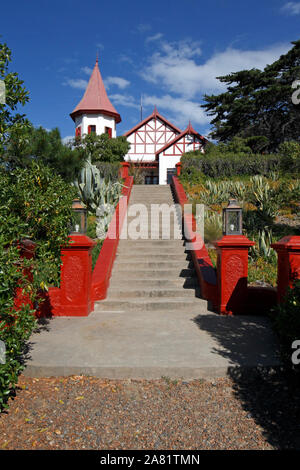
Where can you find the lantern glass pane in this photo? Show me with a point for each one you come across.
(79, 222)
(233, 220)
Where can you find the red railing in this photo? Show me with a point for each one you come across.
(105, 261)
(203, 265)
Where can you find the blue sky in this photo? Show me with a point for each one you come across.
(168, 51)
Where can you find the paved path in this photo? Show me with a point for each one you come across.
(153, 322)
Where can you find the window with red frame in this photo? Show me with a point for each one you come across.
(78, 131)
(108, 131)
(91, 129)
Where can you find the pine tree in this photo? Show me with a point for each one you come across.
(259, 103)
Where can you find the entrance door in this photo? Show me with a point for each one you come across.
(170, 172)
(151, 178)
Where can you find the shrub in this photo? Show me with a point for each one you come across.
(230, 164)
(35, 204)
(108, 171)
(286, 320)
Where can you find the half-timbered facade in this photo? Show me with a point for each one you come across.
(156, 145)
(167, 157)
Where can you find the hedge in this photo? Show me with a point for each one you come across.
(235, 164)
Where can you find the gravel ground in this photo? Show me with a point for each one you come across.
(252, 412)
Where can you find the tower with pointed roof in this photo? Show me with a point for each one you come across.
(95, 113)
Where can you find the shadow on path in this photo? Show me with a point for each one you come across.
(270, 395)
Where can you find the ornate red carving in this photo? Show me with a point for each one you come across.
(288, 251)
(232, 273)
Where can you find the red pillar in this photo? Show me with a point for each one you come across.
(178, 168)
(74, 296)
(124, 169)
(288, 251)
(232, 273)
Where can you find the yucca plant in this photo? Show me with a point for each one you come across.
(263, 247)
(212, 226)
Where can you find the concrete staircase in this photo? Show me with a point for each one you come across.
(152, 274)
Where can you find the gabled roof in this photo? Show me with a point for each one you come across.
(188, 131)
(95, 99)
(155, 114)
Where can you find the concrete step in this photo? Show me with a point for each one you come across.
(116, 293)
(152, 250)
(180, 244)
(150, 257)
(170, 304)
(186, 283)
(159, 265)
(122, 271)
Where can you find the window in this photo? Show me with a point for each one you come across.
(108, 131)
(91, 129)
(78, 131)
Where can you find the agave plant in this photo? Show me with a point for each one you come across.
(98, 195)
(263, 248)
(212, 226)
(264, 197)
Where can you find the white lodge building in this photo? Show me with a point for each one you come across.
(156, 145)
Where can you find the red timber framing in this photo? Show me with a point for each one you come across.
(150, 135)
(188, 140)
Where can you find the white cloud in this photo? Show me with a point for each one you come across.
(67, 139)
(291, 8)
(174, 66)
(180, 110)
(124, 100)
(76, 83)
(143, 27)
(118, 81)
(154, 38)
(86, 70)
(125, 58)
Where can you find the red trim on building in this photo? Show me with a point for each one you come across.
(156, 116)
(188, 131)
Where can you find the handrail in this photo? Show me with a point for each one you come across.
(203, 265)
(105, 261)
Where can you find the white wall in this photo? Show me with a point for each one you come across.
(100, 121)
(166, 162)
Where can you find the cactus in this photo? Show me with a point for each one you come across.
(99, 196)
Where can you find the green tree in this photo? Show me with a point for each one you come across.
(101, 148)
(258, 103)
(16, 95)
(25, 145)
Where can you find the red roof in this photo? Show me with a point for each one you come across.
(95, 99)
(188, 131)
(147, 119)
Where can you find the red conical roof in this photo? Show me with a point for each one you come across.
(95, 99)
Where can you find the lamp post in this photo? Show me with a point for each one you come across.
(79, 225)
(232, 219)
(74, 296)
(232, 264)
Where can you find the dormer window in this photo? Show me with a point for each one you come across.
(92, 129)
(108, 131)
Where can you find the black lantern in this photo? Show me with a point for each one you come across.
(232, 219)
(79, 225)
